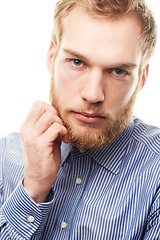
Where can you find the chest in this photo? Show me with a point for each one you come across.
(93, 203)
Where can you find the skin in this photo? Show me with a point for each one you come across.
(87, 77)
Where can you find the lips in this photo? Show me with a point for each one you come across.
(88, 117)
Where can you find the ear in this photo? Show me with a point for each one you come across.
(144, 77)
(50, 54)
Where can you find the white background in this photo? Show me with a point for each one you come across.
(25, 33)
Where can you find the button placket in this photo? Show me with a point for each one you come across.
(76, 177)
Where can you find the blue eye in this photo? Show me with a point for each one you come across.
(77, 62)
(119, 72)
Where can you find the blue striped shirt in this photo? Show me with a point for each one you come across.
(112, 193)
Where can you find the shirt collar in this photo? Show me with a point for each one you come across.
(109, 157)
(65, 151)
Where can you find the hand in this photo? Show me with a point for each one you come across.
(41, 136)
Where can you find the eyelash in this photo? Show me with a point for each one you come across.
(110, 71)
(81, 63)
(124, 73)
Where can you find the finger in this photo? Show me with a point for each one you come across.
(45, 121)
(65, 138)
(37, 110)
(53, 132)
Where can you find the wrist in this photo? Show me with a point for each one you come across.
(35, 192)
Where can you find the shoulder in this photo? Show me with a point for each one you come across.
(11, 164)
(147, 135)
(10, 144)
(11, 155)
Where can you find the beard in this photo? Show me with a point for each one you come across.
(87, 136)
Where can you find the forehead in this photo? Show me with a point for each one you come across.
(105, 39)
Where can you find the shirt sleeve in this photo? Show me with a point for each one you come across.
(152, 230)
(21, 218)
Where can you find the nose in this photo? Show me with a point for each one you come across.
(93, 87)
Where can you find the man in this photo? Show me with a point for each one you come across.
(89, 169)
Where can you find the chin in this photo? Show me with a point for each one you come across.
(86, 138)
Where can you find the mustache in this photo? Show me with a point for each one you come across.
(91, 109)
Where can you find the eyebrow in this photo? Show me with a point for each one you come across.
(110, 66)
(75, 54)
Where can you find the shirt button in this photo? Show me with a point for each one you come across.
(78, 180)
(63, 225)
(30, 219)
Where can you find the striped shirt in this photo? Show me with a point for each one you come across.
(112, 193)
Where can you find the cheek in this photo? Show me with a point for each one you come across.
(60, 78)
(124, 94)
(65, 87)
(132, 89)
(68, 84)
(63, 79)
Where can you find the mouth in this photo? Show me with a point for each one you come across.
(88, 117)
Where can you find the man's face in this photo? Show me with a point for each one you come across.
(95, 77)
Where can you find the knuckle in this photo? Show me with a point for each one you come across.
(58, 127)
(38, 104)
(48, 116)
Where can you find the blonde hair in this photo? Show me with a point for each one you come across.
(111, 9)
